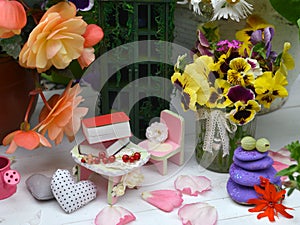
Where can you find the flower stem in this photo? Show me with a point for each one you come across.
(24, 4)
(45, 101)
(29, 108)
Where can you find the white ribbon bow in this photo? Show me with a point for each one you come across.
(216, 119)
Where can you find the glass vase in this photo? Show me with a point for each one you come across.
(218, 138)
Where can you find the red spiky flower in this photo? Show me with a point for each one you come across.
(269, 201)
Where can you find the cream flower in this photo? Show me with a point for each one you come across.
(56, 40)
(233, 9)
(133, 179)
(119, 190)
(157, 132)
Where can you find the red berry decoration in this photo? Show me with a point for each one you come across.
(102, 155)
(137, 155)
(131, 159)
(111, 158)
(105, 160)
(96, 160)
(83, 160)
(125, 158)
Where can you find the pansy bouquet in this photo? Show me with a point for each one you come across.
(237, 76)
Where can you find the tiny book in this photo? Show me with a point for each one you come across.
(109, 147)
(106, 127)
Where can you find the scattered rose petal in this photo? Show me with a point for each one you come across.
(192, 185)
(198, 214)
(114, 215)
(165, 200)
(281, 159)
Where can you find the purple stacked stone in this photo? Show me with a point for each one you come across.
(245, 172)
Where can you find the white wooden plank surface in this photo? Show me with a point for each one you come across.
(281, 127)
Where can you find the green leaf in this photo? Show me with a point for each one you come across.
(291, 177)
(260, 48)
(298, 22)
(287, 8)
(288, 171)
(58, 76)
(290, 191)
(34, 3)
(294, 148)
(284, 172)
(12, 46)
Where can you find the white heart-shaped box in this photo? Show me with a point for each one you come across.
(69, 194)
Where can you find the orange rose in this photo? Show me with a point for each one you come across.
(64, 117)
(56, 40)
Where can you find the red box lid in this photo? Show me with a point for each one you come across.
(107, 119)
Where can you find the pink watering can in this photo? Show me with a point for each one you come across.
(8, 178)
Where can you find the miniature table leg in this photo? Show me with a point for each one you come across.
(112, 181)
(85, 173)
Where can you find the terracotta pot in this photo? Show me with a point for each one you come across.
(15, 84)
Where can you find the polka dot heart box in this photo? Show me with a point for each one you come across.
(69, 194)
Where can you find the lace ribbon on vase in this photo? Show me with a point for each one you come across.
(216, 119)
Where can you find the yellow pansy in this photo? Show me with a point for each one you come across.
(244, 113)
(189, 99)
(218, 95)
(178, 80)
(269, 87)
(197, 78)
(218, 65)
(240, 72)
(287, 60)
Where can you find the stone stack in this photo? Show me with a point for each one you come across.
(245, 172)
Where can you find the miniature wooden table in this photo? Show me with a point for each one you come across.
(113, 172)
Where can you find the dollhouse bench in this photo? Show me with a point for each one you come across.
(114, 172)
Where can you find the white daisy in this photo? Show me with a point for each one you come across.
(194, 4)
(233, 9)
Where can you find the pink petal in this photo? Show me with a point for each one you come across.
(165, 200)
(279, 166)
(281, 159)
(192, 185)
(44, 141)
(114, 215)
(12, 148)
(86, 58)
(198, 214)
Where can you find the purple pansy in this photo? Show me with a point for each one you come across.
(239, 93)
(264, 36)
(203, 45)
(83, 5)
(225, 45)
